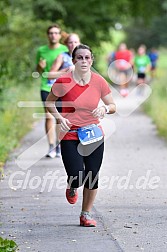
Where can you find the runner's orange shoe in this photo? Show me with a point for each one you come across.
(72, 195)
(87, 221)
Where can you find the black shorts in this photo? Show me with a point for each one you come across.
(141, 75)
(82, 169)
(44, 95)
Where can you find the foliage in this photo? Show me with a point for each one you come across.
(146, 10)
(18, 43)
(152, 35)
(15, 121)
(149, 28)
(158, 28)
(7, 245)
(156, 106)
(93, 19)
(23, 26)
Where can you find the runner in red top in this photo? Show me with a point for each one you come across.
(80, 92)
(75, 101)
(123, 64)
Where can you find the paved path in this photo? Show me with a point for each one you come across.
(131, 215)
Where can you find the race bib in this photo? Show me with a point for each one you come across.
(89, 134)
(142, 69)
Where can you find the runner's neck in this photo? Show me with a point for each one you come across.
(54, 46)
(83, 79)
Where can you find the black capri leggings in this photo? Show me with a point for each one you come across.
(82, 169)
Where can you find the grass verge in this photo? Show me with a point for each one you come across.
(156, 106)
(15, 121)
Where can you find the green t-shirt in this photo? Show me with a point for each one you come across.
(141, 62)
(49, 55)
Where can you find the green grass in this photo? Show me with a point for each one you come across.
(156, 106)
(15, 121)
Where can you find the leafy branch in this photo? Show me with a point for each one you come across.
(7, 245)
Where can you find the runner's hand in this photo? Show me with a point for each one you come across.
(99, 112)
(42, 63)
(65, 124)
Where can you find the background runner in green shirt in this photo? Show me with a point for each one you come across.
(48, 55)
(45, 57)
(142, 64)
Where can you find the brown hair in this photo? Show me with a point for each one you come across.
(64, 36)
(81, 46)
(53, 26)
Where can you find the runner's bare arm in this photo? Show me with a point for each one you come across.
(50, 105)
(41, 65)
(108, 108)
(54, 72)
(55, 67)
(108, 100)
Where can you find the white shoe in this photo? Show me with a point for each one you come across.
(51, 154)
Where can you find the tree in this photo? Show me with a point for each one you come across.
(92, 19)
(152, 30)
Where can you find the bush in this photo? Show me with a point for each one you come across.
(156, 106)
(7, 245)
(15, 121)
